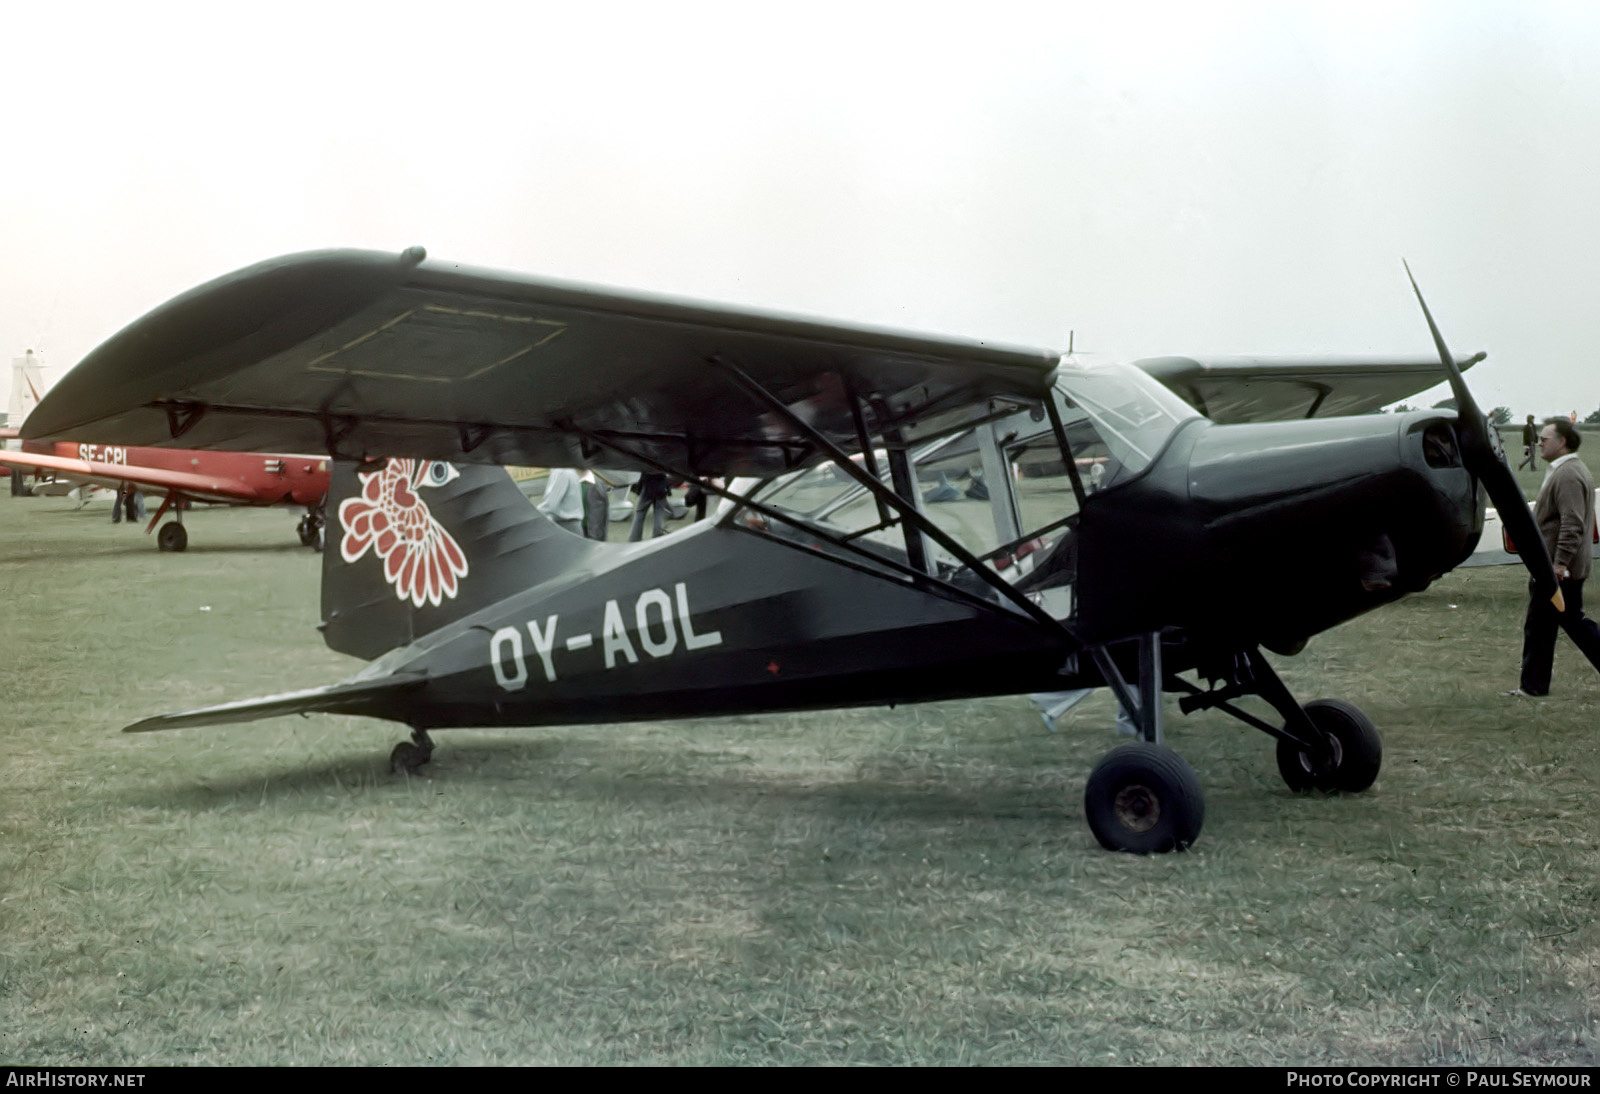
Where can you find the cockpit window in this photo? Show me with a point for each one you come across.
(827, 499)
(1129, 414)
(1005, 492)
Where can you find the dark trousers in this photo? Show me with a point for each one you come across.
(636, 533)
(130, 504)
(596, 510)
(1539, 635)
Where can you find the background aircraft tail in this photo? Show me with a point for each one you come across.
(27, 388)
(413, 545)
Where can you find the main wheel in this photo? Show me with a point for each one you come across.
(1357, 751)
(172, 537)
(1145, 799)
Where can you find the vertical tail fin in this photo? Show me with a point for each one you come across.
(27, 388)
(416, 544)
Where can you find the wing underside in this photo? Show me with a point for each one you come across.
(1260, 389)
(366, 355)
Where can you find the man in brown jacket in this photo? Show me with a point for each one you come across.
(1565, 514)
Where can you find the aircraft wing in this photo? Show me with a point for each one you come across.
(365, 355)
(201, 487)
(1261, 389)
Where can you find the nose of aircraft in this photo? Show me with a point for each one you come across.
(1270, 532)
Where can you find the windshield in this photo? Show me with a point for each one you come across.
(1132, 413)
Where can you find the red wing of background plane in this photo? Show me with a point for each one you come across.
(182, 476)
(201, 487)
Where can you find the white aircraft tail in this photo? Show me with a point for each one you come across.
(27, 388)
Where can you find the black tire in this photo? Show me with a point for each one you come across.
(1145, 799)
(408, 758)
(172, 537)
(1357, 751)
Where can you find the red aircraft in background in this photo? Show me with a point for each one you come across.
(184, 476)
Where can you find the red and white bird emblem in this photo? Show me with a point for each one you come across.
(420, 558)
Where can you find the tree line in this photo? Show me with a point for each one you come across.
(1500, 415)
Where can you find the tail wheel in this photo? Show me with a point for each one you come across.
(172, 537)
(409, 756)
(1144, 798)
(1357, 751)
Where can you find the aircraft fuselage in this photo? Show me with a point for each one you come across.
(720, 621)
(1235, 536)
(272, 478)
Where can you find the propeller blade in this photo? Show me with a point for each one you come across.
(1481, 452)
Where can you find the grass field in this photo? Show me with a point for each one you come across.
(883, 886)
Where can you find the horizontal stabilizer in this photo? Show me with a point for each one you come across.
(357, 697)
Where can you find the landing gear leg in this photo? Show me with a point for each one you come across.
(1142, 797)
(172, 537)
(1351, 755)
(1327, 745)
(409, 756)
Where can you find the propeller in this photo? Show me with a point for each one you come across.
(1480, 451)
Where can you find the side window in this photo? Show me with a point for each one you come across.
(986, 492)
(1043, 483)
(957, 497)
(1004, 491)
(1045, 561)
(828, 500)
(1042, 559)
(1009, 498)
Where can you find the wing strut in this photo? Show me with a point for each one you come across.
(1066, 450)
(864, 439)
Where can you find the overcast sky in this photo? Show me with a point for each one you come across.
(1161, 178)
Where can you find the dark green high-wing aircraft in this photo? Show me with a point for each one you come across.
(1107, 534)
